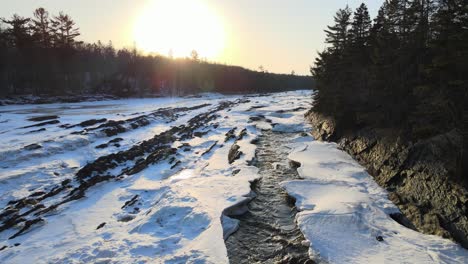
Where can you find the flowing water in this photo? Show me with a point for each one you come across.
(268, 232)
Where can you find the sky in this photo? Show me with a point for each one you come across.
(280, 35)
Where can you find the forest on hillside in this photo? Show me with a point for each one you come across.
(404, 72)
(42, 56)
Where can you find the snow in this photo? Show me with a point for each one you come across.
(343, 211)
(181, 214)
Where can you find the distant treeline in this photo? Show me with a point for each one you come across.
(406, 70)
(41, 56)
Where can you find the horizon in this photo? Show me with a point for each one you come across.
(232, 34)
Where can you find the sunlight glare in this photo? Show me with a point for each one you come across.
(178, 27)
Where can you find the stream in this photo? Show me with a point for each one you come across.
(268, 232)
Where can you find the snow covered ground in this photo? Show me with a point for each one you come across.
(149, 180)
(346, 215)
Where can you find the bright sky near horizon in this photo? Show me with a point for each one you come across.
(279, 35)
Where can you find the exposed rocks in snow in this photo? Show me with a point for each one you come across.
(230, 134)
(27, 225)
(37, 130)
(291, 110)
(32, 147)
(131, 201)
(42, 118)
(91, 122)
(234, 153)
(210, 148)
(101, 225)
(242, 134)
(133, 160)
(113, 142)
(52, 122)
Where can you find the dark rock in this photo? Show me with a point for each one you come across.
(43, 124)
(32, 147)
(176, 164)
(27, 225)
(291, 110)
(379, 238)
(131, 202)
(42, 118)
(294, 164)
(102, 146)
(257, 118)
(92, 122)
(230, 134)
(2, 248)
(254, 141)
(116, 140)
(210, 148)
(101, 225)
(242, 134)
(37, 130)
(38, 193)
(234, 153)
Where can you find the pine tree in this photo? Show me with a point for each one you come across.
(361, 25)
(41, 27)
(64, 30)
(18, 34)
(338, 34)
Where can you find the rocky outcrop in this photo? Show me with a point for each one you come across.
(423, 178)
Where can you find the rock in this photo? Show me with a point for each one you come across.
(92, 122)
(131, 201)
(42, 118)
(102, 146)
(230, 134)
(101, 225)
(43, 124)
(294, 164)
(37, 130)
(27, 225)
(323, 127)
(32, 147)
(234, 153)
(379, 238)
(242, 134)
(126, 218)
(116, 140)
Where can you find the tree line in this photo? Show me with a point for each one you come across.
(406, 70)
(41, 55)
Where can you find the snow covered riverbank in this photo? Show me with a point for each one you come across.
(346, 215)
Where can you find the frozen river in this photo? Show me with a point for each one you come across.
(167, 180)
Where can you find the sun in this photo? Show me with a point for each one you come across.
(177, 27)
